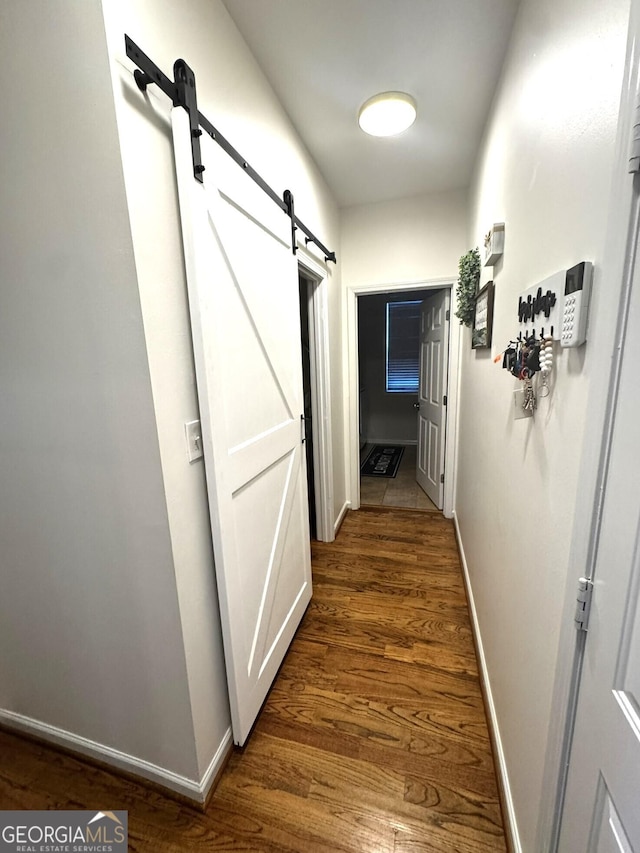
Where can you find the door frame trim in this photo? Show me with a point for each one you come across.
(352, 450)
(318, 273)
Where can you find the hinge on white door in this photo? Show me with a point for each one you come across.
(447, 315)
(442, 478)
(634, 159)
(444, 400)
(583, 604)
(303, 429)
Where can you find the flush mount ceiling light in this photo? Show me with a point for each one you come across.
(387, 114)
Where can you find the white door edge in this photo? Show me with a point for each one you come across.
(568, 660)
(426, 412)
(351, 384)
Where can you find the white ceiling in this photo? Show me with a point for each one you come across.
(324, 58)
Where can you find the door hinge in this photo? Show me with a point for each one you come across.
(447, 315)
(583, 604)
(442, 478)
(634, 159)
(444, 400)
(303, 429)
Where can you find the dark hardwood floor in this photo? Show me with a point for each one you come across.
(372, 740)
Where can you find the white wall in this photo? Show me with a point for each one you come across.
(545, 170)
(408, 239)
(89, 622)
(234, 95)
(385, 245)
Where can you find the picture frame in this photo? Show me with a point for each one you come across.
(483, 318)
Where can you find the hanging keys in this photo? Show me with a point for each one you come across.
(546, 364)
(529, 404)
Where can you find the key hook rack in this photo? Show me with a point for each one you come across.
(182, 91)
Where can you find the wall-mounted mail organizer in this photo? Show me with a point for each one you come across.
(558, 306)
(554, 310)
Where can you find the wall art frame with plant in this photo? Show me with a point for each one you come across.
(468, 280)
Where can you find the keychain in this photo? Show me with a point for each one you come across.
(526, 357)
(529, 404)
(546, 364)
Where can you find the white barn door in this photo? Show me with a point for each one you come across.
(432, 412)
(243, 296)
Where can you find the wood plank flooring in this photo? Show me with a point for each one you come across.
(373, 738)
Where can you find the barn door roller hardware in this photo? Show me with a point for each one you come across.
(182, 91)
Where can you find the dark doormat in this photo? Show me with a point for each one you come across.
(383, 461)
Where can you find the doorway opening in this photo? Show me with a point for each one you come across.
(314, 336)
(402, 373)
(305, 286)
(418, 435)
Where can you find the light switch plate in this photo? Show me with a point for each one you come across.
(518, 411)
(193, 436)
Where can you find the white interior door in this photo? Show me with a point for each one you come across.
(432, 412)
(602, 804)
(243, 296)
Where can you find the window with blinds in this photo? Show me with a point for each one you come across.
(403, 347)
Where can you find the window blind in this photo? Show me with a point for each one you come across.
(403, 346)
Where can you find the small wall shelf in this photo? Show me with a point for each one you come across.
(494, 244)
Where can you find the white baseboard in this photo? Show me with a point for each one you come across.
(196, 791)
(340, 518)
(512, 824)
(216, 765)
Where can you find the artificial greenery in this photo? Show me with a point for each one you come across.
(468, 280)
